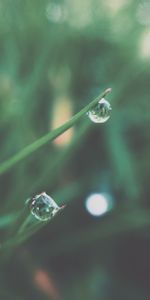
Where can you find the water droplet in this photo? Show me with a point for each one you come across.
(101, 112)
(43, 207)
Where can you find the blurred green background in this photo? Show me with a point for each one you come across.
(55, 57)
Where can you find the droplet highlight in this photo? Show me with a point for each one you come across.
(101, 112)
(43, 207)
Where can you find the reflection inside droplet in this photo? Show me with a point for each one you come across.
(101, 112)
(43, 207)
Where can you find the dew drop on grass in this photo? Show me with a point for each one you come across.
(43, 207)
(101, 112)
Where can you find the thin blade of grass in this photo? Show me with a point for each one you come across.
(6, 165)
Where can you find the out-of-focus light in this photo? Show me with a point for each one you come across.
(145, 45)
(62, 112)
(98, 204)
(46, 284)
(55, 12)
(80, 13)
(143, 12)
(114, 5)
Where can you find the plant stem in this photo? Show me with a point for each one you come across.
(6, 165)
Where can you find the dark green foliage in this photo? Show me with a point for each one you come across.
(64, 54)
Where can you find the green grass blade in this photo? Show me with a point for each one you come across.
(6, 165)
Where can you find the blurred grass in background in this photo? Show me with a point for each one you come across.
(55, 56)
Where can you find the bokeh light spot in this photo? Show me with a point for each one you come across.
(98, 204)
